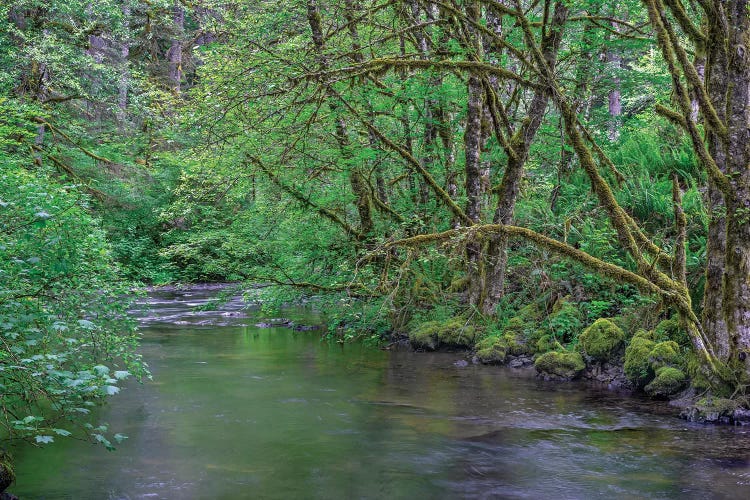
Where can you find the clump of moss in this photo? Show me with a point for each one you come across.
(494, 349)
(712, 410)
(665, 353)
(637, 365)
(530, 313)
(454, 332)
(565, 365)
(670, 329)
(668, 381)
(515, 324)
(491, 350)
(602, 340)
(646, 359)
(644, 334)
(547, 343)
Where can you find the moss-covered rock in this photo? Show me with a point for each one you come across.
(643, 334)
(515, 325)
(601, 341)
(454, 332)
(637, 362)
(565, 365)
(492, 351)
(495, 349)
(712, 410)
(646, 359)
(668, 381)
(665, 353)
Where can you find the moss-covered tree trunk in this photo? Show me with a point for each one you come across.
(510, 185)
(736, 103)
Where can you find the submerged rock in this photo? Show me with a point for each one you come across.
(305, 328)
(560, 365)
(716, 410)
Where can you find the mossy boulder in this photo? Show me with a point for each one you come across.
(643, 334)
(670, 329)
(495, 349)
(637, 362)
(668, 381)
(645, 357)
(492, 350)
(454, 332)
(665, 353)
(515, 325)
(601, 341)
(564, 365)
(712, 410)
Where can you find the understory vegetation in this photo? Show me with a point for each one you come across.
(563, 183)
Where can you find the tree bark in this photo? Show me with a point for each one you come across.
(510, 185)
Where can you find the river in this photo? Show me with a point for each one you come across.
(238, 411)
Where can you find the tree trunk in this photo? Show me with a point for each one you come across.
(510, 185)
(174, 54)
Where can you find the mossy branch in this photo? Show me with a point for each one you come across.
(483, 230)
(65, 136)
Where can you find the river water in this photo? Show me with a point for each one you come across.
(238, 411)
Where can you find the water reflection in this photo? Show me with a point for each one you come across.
(237, 411)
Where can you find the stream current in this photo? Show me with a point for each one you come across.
(239, 411)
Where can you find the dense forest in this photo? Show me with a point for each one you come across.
(563, 182)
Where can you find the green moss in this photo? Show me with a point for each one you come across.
(668, 381)
(695, 368)
(491, 350)
(516, 324)
(637, 362)
(452, 332)
(712, 409)
(602, 340)
(670, 329)
(531, 313)
(643, 334)
(548, 343)
(494, 350)
(665, 353)
(644, 359)
(565, 365)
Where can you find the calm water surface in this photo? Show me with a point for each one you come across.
(237, 411)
